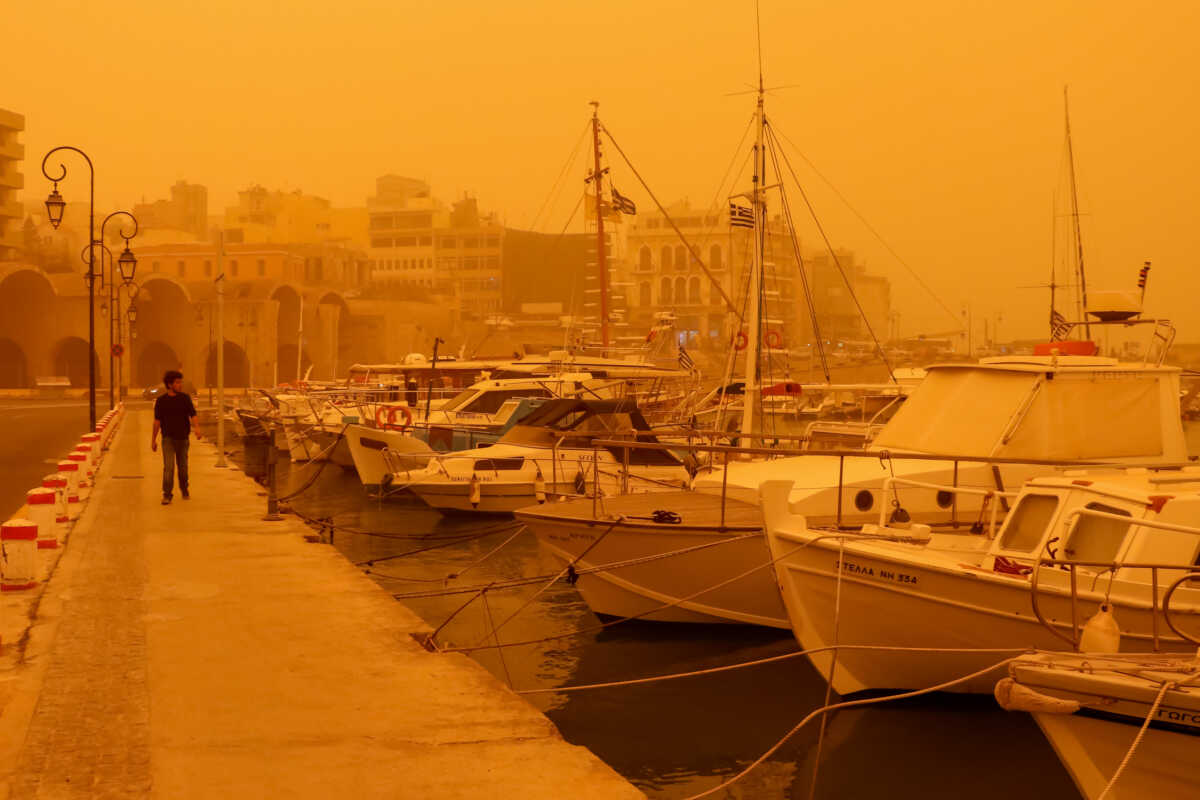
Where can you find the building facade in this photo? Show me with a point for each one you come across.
(186, 212)
(276, 217)
(12, 153)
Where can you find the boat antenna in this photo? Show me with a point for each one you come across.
(1082, 296)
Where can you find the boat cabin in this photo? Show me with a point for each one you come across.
(576, 424)
(1093, 516)
(1063, 408)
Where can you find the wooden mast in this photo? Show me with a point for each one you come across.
(1079, 273)
(601, 255)
(752, 391)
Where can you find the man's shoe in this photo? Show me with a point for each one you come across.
(185, 495)
(166, 501)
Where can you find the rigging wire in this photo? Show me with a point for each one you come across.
(808, 294)
(556, 187)
(916, 276)
(838, 263)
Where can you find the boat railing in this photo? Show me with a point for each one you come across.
(1160, 596)
(987, 494)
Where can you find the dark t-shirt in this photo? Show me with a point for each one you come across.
(174, 413)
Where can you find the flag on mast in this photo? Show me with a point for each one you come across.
(1142, 275)
(1059, 327)
(740, 216)
(685, 359)
(622, 203)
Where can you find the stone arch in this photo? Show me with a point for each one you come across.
(286, 366)
(694, 289)
(665, 256)
(14, 367)
(70, 360)
(28, 316)
(716, 257)
(287, 330)
(333, 319)
(664, 291)
(237, 366)
(155, 358)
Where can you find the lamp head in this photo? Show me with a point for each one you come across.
(128, 264)
(54, 207)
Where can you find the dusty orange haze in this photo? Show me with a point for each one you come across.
(941, 120)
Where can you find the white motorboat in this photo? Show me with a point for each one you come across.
(550, 453)
(1091, 708)
(1016, 410)
(1072, 542)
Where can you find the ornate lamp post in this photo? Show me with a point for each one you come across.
(54, 212)
(126, 263)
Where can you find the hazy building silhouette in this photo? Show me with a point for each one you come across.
(12, 153)
(277, 217)
(186, 211)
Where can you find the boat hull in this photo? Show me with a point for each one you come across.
(366, 445)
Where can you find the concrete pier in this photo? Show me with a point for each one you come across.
(196, 651)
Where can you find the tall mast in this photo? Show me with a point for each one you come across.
(1079, 273)
(754, 285)
(601, 255)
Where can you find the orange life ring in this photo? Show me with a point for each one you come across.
(774, 340)
(741, 341)
(391, 418)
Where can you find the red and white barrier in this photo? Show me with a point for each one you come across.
(70, 469)
(18, 568)
(41, 504)
(85, 475)
(93, 439)
(58, 483)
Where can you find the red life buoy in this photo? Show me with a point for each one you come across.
(741, 341)
(391, 418)
(774, 340)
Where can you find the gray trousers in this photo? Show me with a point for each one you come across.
(174, 454)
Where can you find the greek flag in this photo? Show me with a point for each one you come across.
(740, 216)
(685, 360)
(1142, 274)
(622, 203)
(1059, 327)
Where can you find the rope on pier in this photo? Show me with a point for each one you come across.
(1137, 740)
(322, 458)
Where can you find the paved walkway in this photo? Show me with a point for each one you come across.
(195, 651)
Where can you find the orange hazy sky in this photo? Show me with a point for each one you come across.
(941, 121)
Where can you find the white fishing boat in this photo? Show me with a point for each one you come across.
(550, 453)
(1091, 709)
(1015, 411)
(1072, 543)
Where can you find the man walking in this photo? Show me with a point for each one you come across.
(174, 415)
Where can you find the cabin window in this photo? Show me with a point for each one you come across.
(1096, 538)
(490, 402)
(1028, 521)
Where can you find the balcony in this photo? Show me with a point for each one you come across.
(12, 150)
(11, 210)
(11, 178)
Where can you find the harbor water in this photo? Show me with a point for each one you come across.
(673, 738)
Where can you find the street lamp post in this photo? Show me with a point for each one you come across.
(127, 264)
(54, 212)
(55, 205)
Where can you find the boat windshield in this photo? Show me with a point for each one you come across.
(454, 402)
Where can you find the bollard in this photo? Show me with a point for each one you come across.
(93, 439)
(85, 477)
(70, 470)
(90, 464)
(59, 484)
(18, 545)
(42, 514)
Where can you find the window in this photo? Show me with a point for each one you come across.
(446, 243)
(426, 241)
(154, 266)
(644, 295)
(1097, 539)
(680, 290)
(644, 258)
(490, 402)
(381, 221)
(207, 268)
(664, 291)
(693, 290)
(262, 267)
(233, 269)
(493, 241)
(470, 242)
(714, 257)
(470, 262)
(181, 267)
(681, 257)
(1028, 522)
(666, 257)
(406, 241)
(493, 262)
(380, 241)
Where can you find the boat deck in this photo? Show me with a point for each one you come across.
(696, 510)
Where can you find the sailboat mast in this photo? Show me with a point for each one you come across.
(1079, 273)
(754, 285)
(601, 255)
